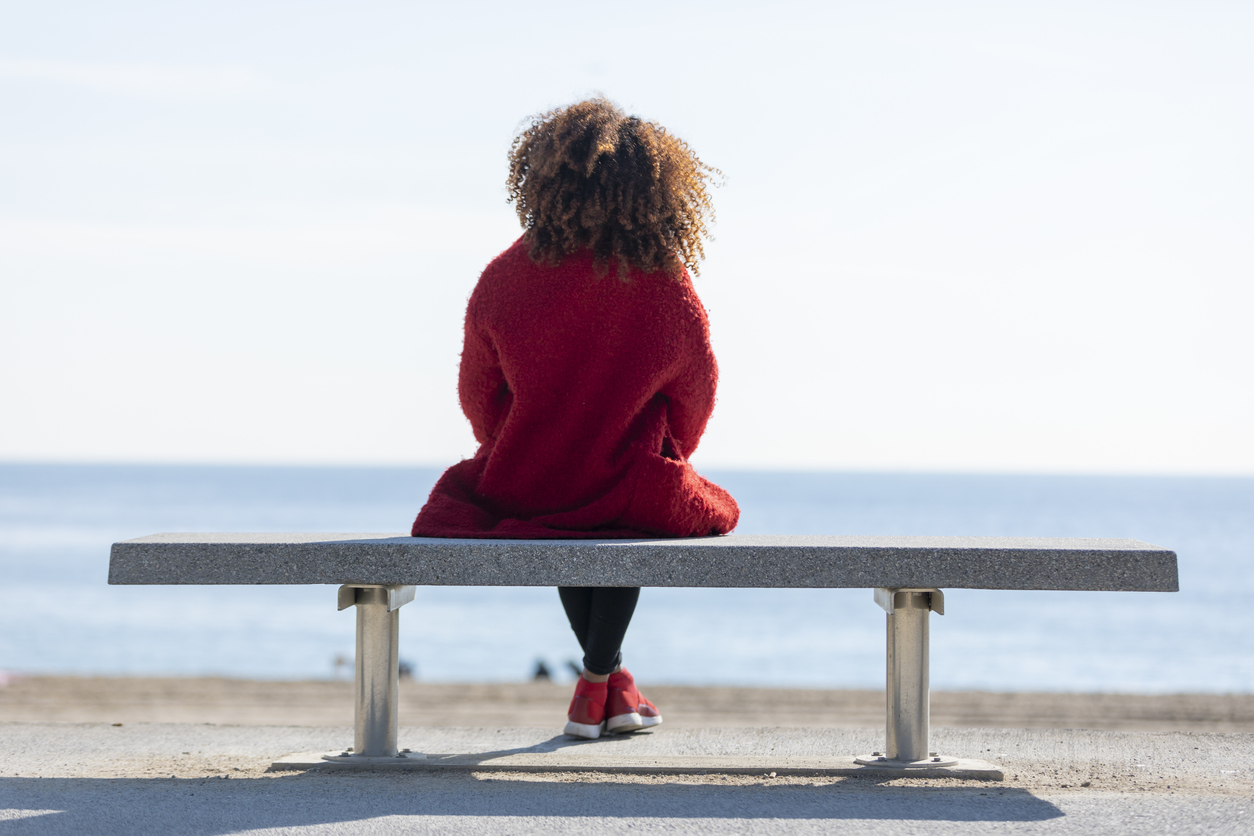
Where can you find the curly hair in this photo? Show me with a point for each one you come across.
(589, 176)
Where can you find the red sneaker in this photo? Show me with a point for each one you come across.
(627, 708)
(586, 717)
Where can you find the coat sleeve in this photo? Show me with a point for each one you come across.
(481, 384)
(691, 390)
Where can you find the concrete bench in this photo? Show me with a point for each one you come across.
(378, 573)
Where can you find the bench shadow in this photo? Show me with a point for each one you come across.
(211, 806)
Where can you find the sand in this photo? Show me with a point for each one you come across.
(522, 705)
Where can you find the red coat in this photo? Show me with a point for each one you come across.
(587, 394)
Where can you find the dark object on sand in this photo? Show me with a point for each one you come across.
(542, 672)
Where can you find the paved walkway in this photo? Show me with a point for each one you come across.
(202, 779)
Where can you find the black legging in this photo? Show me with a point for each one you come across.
(599, 615)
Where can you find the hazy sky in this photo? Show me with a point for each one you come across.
(961, 236)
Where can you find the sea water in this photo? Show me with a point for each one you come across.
(59, 615)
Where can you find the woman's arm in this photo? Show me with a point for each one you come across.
(691, 391)
(481, 384)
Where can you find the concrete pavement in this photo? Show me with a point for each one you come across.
(203, 779)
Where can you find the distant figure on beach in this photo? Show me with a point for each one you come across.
(587, 373)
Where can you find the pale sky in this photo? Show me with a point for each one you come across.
(964, 236)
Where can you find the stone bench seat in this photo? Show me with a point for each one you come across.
(378, 573)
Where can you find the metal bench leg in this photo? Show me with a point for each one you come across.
(377, 673)
(907, 679)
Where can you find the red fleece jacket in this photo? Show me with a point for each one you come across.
(586, 394)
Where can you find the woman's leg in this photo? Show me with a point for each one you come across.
(577, 601)
(599, 616)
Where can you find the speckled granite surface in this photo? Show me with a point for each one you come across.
(729, 561)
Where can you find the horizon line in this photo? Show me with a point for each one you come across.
(712, 468)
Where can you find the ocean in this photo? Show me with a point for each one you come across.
(60, 616)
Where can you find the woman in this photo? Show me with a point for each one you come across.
(587, 373)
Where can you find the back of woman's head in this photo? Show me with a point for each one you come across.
(588, 176)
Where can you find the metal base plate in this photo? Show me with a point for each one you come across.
(405, 758)
(892, 763)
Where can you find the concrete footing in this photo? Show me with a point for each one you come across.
(616, 763)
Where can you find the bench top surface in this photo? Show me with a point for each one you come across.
(734, 560)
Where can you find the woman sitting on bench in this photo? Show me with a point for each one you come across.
(587, 373)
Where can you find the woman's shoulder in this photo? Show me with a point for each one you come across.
(511, 260)
(676, 291)
(513, 279)
(502, 273)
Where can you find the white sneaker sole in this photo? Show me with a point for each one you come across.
(624, 723)
(630, 722)
(584, 730)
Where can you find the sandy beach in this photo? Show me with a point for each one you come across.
(519, 705)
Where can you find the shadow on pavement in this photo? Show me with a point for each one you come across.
(553, 744)
(219, 806)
